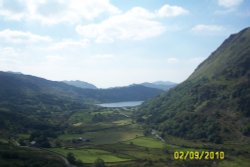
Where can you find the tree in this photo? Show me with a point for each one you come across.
(43, 141)
(79, 163)
(71, 158)
(99, 162)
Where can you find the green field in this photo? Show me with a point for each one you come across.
(83, 117)
(90, 155)
(123, 122)
(2, 140)
(146, 142)
(235, 162)
(112, 134)
(121, 142)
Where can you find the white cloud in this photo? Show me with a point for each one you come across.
(103, 56)
(90, 9)
(14, 36)
(207, 29)
(11, 15)
(168, 11)
(7, 53)
(54, 58)
(56, 11)
(69, 44)
(72, 11)
(136, 24)
(229, 3)
(172, 60)
(10, 58)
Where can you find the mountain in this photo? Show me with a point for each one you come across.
(20, 88)
(81, 84)
(28, 102)
(213, 104)
(25, 88)
(14, 72)
(163, 85)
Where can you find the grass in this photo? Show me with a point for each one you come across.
(122, 141)
(77, 124)
(4, 141)
(146, 142)
(85, 117)
(123, 122)
(105, 111)
(24, 136)
(90, 155)
(235, 162)
(91, 127)
(134, 151)
(80, 117)
(107, 136)
(186, 144)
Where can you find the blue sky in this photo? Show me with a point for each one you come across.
(115, 42)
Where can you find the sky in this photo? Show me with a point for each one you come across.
(115, 42)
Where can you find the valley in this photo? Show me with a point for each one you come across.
(118, 140)
(124, 83)
(203, 121)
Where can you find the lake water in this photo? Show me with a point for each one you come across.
(122, 104)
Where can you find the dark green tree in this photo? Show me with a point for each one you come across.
(99, 162)
(79, 163)
(71, 158)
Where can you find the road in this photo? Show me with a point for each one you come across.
(154, 132)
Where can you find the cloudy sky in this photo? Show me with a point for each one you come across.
(115, 42)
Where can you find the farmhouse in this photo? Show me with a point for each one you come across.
(80, 140)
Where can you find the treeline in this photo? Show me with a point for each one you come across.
(11, 156)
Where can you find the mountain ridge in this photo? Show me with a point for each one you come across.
(31, 85)
(213, 103)
(28, 102)
(80, 84)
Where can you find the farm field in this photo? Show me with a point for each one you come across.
(90, 155)
(147, 142)
(120, 141)
(107, 136)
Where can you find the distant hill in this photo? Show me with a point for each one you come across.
(213, 104)
(163, 85)
(81, 84)
(14, 72)
(20, 88)
(29, 102)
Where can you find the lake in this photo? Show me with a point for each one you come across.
(122, 104)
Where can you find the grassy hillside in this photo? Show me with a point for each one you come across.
(213, 103)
